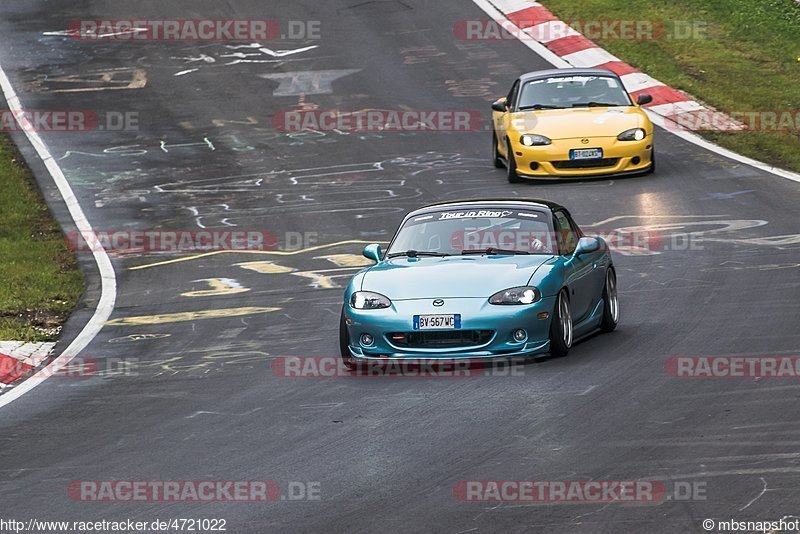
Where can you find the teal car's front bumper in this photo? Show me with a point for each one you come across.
(486, 330)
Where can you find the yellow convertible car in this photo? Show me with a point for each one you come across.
(571, 123)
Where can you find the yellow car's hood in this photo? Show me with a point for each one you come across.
(579, 122)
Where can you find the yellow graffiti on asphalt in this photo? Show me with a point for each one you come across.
(346, 260)
(321, 280)
(265, 267)
(318, 280)
(257, 252)
(219, 286)
(187, 316)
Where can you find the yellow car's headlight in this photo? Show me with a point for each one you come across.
(534, 140)
(634, 134)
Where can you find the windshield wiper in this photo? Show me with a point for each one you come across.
(595, 105)
(492, 251)
(415, 253)
(539, 106)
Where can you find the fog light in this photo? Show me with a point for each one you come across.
(636, 160)
(534, 166)
(366, 340)
(520, 335)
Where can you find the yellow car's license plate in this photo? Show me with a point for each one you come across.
(586, 153)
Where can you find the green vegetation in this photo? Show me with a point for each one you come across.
(39, 281)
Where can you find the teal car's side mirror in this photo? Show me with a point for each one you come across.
(586, 245)
(372, 252)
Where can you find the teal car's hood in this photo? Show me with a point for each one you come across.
(454, 276)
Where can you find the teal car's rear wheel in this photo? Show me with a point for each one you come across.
(344, 343)
(561, 326)
(610, 302)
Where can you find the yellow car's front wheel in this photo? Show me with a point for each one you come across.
(511, 166)
(497, 159)
(652, 168)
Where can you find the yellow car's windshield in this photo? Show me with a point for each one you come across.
(573, 91)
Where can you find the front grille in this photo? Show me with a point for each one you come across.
(585, 163)
(440, 339)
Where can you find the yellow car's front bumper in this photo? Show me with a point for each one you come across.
(553, 161)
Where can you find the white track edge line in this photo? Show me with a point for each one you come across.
(108, 291)
(693, 138)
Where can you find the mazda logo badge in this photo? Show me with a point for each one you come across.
(585, 141)
(438, 302)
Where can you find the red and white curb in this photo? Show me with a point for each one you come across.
(17, 358)
(575, 50)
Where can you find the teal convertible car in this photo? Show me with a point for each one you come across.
(480, 280)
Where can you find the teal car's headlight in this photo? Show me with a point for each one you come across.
(367, 300)
(534, 140)
(516, 295)
(634, 134)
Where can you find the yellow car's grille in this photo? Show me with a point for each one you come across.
(585, 163)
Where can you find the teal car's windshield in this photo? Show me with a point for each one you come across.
(561, 92)
(491, 230)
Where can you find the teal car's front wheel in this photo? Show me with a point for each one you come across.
(561, 326)
(344, 343)
(610, 302)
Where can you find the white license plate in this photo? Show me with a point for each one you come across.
(437, 322)
(586, 153)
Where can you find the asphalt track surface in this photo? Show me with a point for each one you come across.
(205, 404)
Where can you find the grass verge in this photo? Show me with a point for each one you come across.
(744, 56)
(39, 280)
